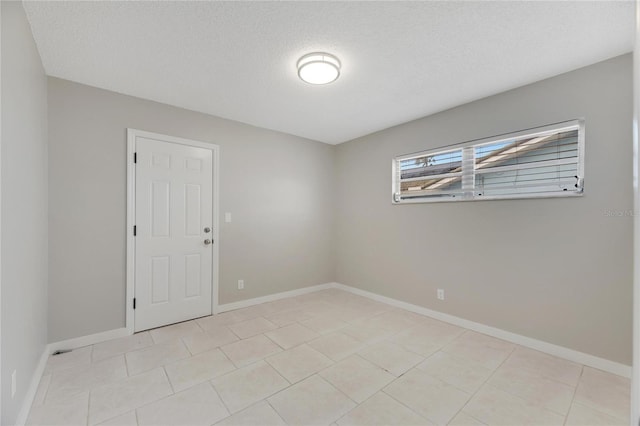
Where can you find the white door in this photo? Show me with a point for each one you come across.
(173, 241)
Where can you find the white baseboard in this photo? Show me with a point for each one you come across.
(33, 388)
(272, 297)
(539, 345)
(75, 343)
(91, 339)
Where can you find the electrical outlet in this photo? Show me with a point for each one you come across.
(227, 217)
(240, 284)
(440, 294)
(14, 383)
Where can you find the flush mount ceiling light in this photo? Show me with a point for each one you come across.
(318, 68)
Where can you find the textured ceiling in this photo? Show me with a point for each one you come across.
(401, 60)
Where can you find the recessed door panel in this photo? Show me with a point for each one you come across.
(192, 201)
(193, 164)
(160, 160)
(159, 279)
(192, 279)
(160, 208)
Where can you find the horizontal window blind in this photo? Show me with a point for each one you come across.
(546, 161)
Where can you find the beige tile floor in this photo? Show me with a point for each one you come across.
(324, 358)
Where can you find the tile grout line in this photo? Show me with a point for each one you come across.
(274, 342)
(286, 380)
(473, 394)
(88, 406)
(219, 349)
(539, 405)
(148, 403)
(156, 400)
(381, 390)
(195, 320)
(126, 363)
(135, 410)
(592, 406)
(224, 404)
(317, 373)
(306, 378)
(400, 402)
(187, 346)
(337, 389)
(274, 409)
(573, 397)
(401, 375)
(173, 391)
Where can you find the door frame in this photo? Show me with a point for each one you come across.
(132, 134)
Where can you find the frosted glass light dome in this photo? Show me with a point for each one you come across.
(318, 68)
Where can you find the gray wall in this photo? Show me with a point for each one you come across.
(279, 189)
(558, 270)
(24, 207)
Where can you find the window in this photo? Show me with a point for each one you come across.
(543, 162)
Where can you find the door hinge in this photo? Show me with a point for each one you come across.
(135, 157)
(135, 230)
(134, 303)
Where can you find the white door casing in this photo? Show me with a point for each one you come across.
(173, 255)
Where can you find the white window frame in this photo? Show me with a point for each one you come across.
(469, 173)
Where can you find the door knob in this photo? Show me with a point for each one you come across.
(207, 242)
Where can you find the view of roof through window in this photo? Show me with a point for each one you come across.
(543, 162)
